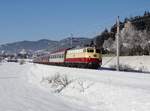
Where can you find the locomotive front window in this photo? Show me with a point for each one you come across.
(97, 51)
(90, 50)
(84, 50)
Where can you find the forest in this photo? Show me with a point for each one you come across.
(134, 36)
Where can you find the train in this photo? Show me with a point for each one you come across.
(85, 57)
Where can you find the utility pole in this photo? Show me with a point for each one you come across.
(117, 39)
(71, 42)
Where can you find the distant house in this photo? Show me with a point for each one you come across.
(22, 54)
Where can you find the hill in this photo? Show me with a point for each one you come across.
(43, 45)
(134, 36)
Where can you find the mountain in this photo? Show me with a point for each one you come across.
(43, 45)
(27, 45)
(73, 42)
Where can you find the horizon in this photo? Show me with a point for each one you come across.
(33, 20)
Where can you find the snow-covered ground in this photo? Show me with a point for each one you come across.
(29, 87)
(16, 94)
(141, 63)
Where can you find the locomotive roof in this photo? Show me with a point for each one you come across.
(60, 50)
(65, 49)
(81, 48)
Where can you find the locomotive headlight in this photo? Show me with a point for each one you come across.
(95, 55)
(86, 56)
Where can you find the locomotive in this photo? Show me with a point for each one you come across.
(86, 57)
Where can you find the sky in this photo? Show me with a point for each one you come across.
(58, 19)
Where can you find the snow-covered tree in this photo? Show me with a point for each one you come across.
(109, 45)
(132, 42)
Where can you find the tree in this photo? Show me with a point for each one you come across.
(100, 38)
(133, 42)
(108, 45)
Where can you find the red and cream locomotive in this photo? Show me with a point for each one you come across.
(86, 57)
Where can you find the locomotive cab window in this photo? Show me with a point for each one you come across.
(84, 50)
(97, 51)
(90, 50)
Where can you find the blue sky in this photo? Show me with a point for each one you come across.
(56, 19)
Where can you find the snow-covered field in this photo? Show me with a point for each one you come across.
(30, 87)
(140, 63)
(16, 94)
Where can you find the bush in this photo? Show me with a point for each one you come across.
(142, 69)
(21, 62)
(58, 82)
(122, 67)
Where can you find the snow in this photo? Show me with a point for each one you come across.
(27, 88)
(99, 90)
(141, 63)
(16, 94)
